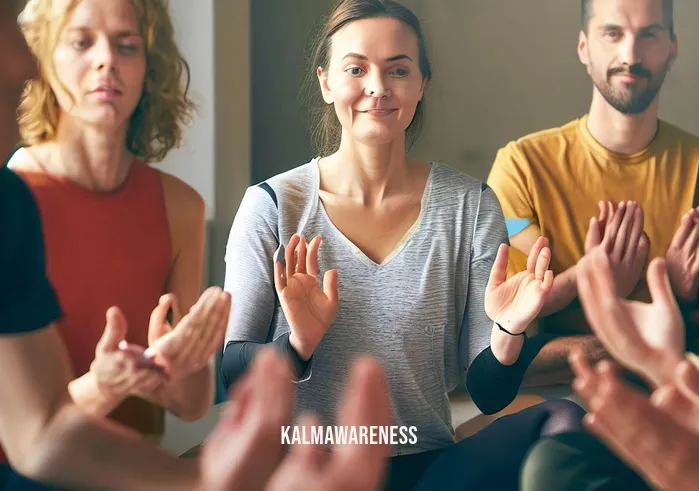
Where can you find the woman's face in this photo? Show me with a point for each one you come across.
(373, 79)
(100, 63)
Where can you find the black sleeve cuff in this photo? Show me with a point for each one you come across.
(492, 385)
(301, 368)
(238, 355)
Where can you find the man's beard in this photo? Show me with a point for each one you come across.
(632, 99)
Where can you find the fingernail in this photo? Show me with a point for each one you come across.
(123, 344)
(148, 353)
(279, 256)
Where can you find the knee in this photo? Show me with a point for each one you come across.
(564, 416)
(535, 474)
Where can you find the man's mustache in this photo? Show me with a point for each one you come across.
(637, 70)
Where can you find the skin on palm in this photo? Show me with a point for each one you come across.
(682, 259)
(309, 309)
(648, 338)
(515, 302)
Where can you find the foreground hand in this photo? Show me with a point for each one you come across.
(245, 448)
(680, 398)
(514, 303)
(119, 368)
(348, 467)
(188, 347)
(645, 436)
(309, 310)
(682, 258)
(645, 338)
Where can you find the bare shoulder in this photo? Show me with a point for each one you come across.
(185, 207)
(179, 193)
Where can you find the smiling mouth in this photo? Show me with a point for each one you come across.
(379, 112)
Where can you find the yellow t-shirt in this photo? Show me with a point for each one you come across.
(555, 178)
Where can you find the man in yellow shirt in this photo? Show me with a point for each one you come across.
(550, 183)
(642, 169)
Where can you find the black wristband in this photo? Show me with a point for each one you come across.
(523, 333)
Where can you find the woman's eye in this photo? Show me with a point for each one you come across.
(355, 71)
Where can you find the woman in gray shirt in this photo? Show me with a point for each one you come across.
(413, 244)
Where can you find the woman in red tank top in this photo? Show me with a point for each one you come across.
(110, 99)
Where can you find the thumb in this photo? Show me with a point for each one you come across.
(158, 325)
(114, 330)
(659, 284)
(330, 285)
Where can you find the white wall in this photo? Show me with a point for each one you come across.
(215, 38)
(195, 162)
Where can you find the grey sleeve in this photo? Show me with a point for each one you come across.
(250, 268)
(249, 279)
(489, 232)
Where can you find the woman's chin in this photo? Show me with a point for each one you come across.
(103, 117)
(378, 137)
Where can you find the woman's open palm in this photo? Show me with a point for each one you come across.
(514, 303)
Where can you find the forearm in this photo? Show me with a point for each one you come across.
(76, 451)
(491, 384)
(563, 292)
(88, 396)
(551, 366)
(191, 397)
(239, 355)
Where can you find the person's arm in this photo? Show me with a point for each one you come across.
(250, 254)
(511, 179)
(495, 373)
(493, 385)
(88, 396)
(191, 396)
(551, 367)
(239, 355)
(48, 439)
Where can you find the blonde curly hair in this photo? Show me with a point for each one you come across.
(164, 108)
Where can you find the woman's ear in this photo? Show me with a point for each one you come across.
(325, 86)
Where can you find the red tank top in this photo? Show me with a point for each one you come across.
(103, 250)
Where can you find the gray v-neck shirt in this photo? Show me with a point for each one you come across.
(420, 313)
